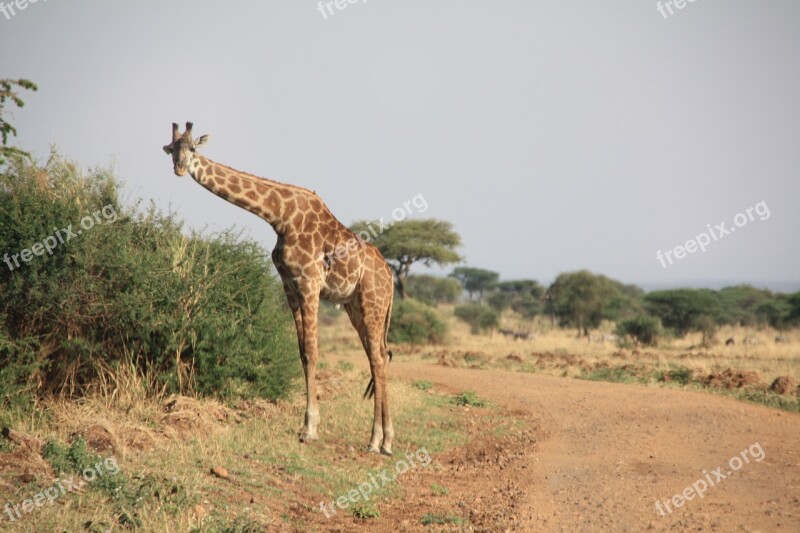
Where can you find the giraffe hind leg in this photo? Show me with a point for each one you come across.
(370, 390)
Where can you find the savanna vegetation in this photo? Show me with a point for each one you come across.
(122, 332)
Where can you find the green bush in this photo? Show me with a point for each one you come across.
(416, 323)
(131, 291)
(644, 330)
(470, 399)
(423, 385)
(478, 317)
(432, 290)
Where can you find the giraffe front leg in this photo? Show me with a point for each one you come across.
(308, 313)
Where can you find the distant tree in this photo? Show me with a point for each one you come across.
(475, 280)
(684, 310)
(404, 243)
(706, 325)
(580, 299)
(479, 317)
(740, 304)
(499, 300)
(524, 296)
(794, 306)
(433, 290)
(775, 312)
(626, 303)
(8, 91)
(644, 330)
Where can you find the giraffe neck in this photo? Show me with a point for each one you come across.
(273, 201)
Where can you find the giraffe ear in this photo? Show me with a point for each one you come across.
(200, 141)
(168, 149)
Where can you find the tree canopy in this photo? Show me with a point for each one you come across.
(684, 310)
(8, 91)
(433, 290)
(475, 280)
(581, 299)
(426, 241)
(524, 296)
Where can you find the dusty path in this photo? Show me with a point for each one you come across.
(609, 451)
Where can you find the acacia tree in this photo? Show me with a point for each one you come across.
(475, 280)
(685, 310)
(581, 299)
(525, 296)
(426, 241)
(8, 92)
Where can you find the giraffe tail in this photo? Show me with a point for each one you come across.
(370, 390)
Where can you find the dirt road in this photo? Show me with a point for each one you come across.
(607, 452)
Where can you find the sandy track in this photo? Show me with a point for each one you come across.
(609, 451)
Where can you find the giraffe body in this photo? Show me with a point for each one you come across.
(317, 257)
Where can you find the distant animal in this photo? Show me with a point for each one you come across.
(519, 336)
(602, 338)
(507, 332)
(751, 340)
(730, 342)
(781, 339)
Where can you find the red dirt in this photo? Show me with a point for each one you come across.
(596, 457)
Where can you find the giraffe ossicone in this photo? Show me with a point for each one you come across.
(360, 281)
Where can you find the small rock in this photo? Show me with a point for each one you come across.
(220, 472)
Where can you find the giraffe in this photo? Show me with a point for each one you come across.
(317, 257)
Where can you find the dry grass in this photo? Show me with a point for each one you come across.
(763, 355)
(166, 448)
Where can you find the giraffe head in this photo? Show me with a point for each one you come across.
(182, 148)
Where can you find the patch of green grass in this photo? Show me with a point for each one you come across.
(365, 510)
(345, 366)
(760, 397)
(471, 399)
(439, 490)
(613, 374)
(681, 375)
(100, 473)
(130, 499)
(423, 385)
(431, 519)
(224, 524)
(430, 423)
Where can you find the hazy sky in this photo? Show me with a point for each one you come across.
(555, 135)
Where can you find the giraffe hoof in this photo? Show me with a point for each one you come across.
(372, 449)
(384, 451)
(306, 438)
